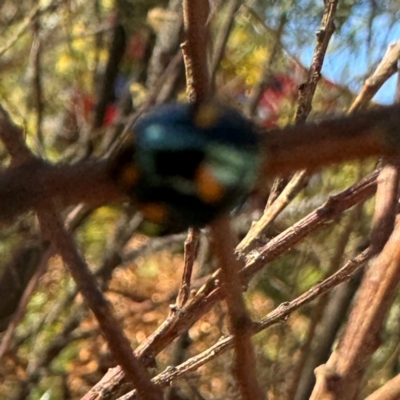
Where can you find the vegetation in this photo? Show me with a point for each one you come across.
(76, 75)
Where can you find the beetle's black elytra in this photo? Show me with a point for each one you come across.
(189, 163)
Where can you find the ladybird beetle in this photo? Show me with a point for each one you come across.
(189, 164)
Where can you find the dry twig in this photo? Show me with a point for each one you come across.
(280, 314)
(53, 228)
(196, 14)
(341, 377)
(212, 292)
(306, 94)
(244, 369)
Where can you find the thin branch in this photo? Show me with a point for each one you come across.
(63, 243)
(209, 294)
(327, 212)
(126, 226)
(386, 196)
(222, 39)
(386, 68)
(170, 79)
(39, 367)
(278, 315)
(23, 303)
(106, 92)
(28, 21)
(306, 94)
(194, 49)
(340, 378)
(324, 34)
(389, 391)
(245, 367)
(37, 86)
(255, 234)
(297, 181)
(191, 250)
(258, 89)
(385, 204)
(168, 31)
(118, 343)
(324, 321)
(13, 139)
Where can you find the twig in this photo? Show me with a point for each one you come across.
(36, 11)
(385, 204)
(21, 310)
(13, 139)
(341, 376)
(124, 232)
(328, 211)
(53, 228)
(118, 343)
(170, 79)
(259, 88)
(208, 295)
(386, 68)
(306, 94)
(324, 34)
(194, 49)
(389, 391)
(245, 367)
(191, 250)
(280, 314)
(384, 71)
(38, 368)
(116, 53)
(324, 322)
(254, 236)
(222, 39)
(167, 41)
(37, 87)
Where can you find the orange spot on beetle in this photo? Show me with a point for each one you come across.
(207, 186)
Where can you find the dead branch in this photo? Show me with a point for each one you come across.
(209, 294)
(244, 369)
(341, 376)
(280, 314)
(194, 49)
(306, 94)
(53, 228)
(386, 68)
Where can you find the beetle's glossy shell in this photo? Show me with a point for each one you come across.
(190, 164)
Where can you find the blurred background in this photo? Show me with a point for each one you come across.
(72, 74)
